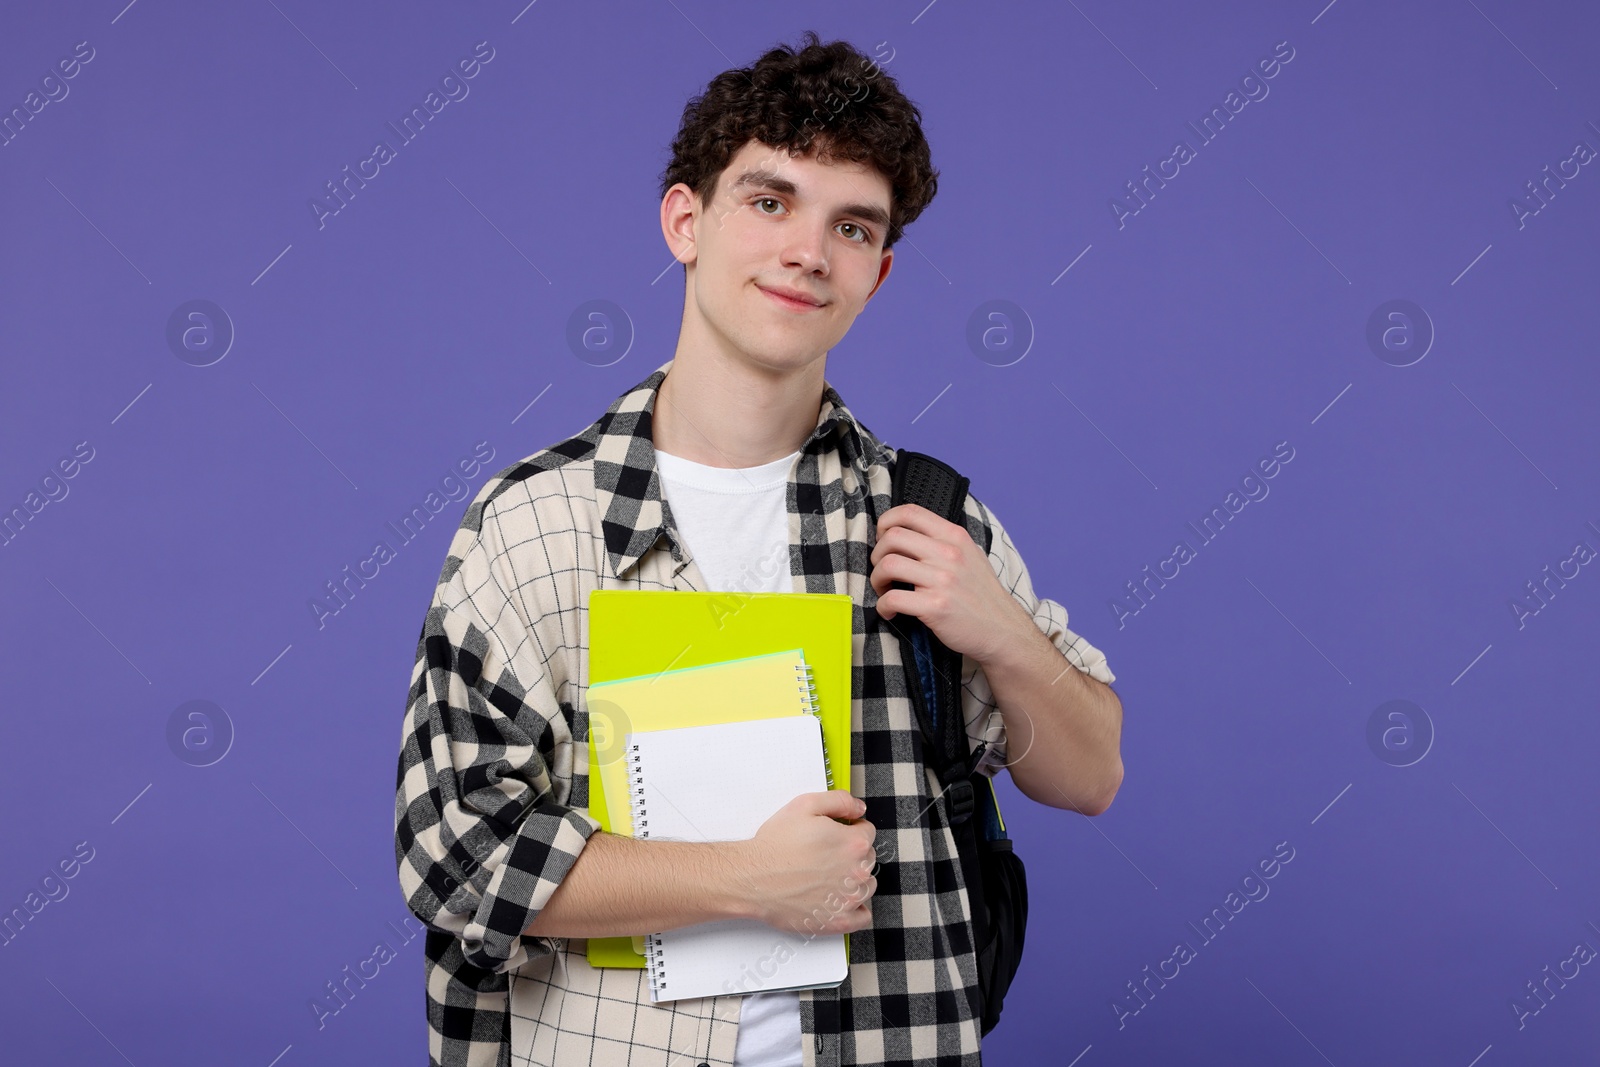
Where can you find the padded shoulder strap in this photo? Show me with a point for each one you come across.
(921, 479)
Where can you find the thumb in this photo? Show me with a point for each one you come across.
(834, 803)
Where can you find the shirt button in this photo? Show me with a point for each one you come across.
(819, 1042)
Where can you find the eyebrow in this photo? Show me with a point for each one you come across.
(761, 179)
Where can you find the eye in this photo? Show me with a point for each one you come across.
(861, 235)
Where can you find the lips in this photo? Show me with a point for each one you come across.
(792, 298)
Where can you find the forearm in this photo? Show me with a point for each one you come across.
(1063, 728)
(620, 886)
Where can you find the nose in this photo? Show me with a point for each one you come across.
(806, 251)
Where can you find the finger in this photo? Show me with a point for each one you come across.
(895, 567)
(892, 602)
(911, 516)
(871, 866)
(906, 542)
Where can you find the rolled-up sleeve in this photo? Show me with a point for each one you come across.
(483, 835)
(980, 709)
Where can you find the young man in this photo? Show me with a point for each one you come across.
(735, 466)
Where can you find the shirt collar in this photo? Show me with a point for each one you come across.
(628, 487)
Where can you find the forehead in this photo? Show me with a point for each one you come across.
(759, 165)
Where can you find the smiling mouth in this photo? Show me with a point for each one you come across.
(795, 305)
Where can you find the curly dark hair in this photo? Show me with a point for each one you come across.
(828, 98)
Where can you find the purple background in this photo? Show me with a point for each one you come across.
(1228, 315)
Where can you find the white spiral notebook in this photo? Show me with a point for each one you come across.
(720, 783)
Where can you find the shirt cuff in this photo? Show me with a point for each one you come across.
(527, 871)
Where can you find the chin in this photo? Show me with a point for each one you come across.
(783, 354)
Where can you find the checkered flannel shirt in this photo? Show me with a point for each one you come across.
(491, 806)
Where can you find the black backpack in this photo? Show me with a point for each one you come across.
(997, 885)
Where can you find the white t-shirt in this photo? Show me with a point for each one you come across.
(736, 524)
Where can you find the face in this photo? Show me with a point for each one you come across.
(779, 222)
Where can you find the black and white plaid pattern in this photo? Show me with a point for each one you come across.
(492, 788)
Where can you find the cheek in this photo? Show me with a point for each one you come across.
(864, 277)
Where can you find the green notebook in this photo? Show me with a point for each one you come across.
(635, 635)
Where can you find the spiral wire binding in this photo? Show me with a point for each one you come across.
(808, 699)
(655, 961)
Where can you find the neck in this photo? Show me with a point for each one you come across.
(723, 413)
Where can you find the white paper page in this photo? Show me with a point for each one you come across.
(720, 783)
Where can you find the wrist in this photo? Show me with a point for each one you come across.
(740, 898)
(1017, 643)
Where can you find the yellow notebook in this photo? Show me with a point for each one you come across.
(639, 635)
(756, 687)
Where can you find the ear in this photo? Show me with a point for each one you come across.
(883, 273)
(680, 215)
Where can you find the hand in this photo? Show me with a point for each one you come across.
(957, 594)
(807, 873)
